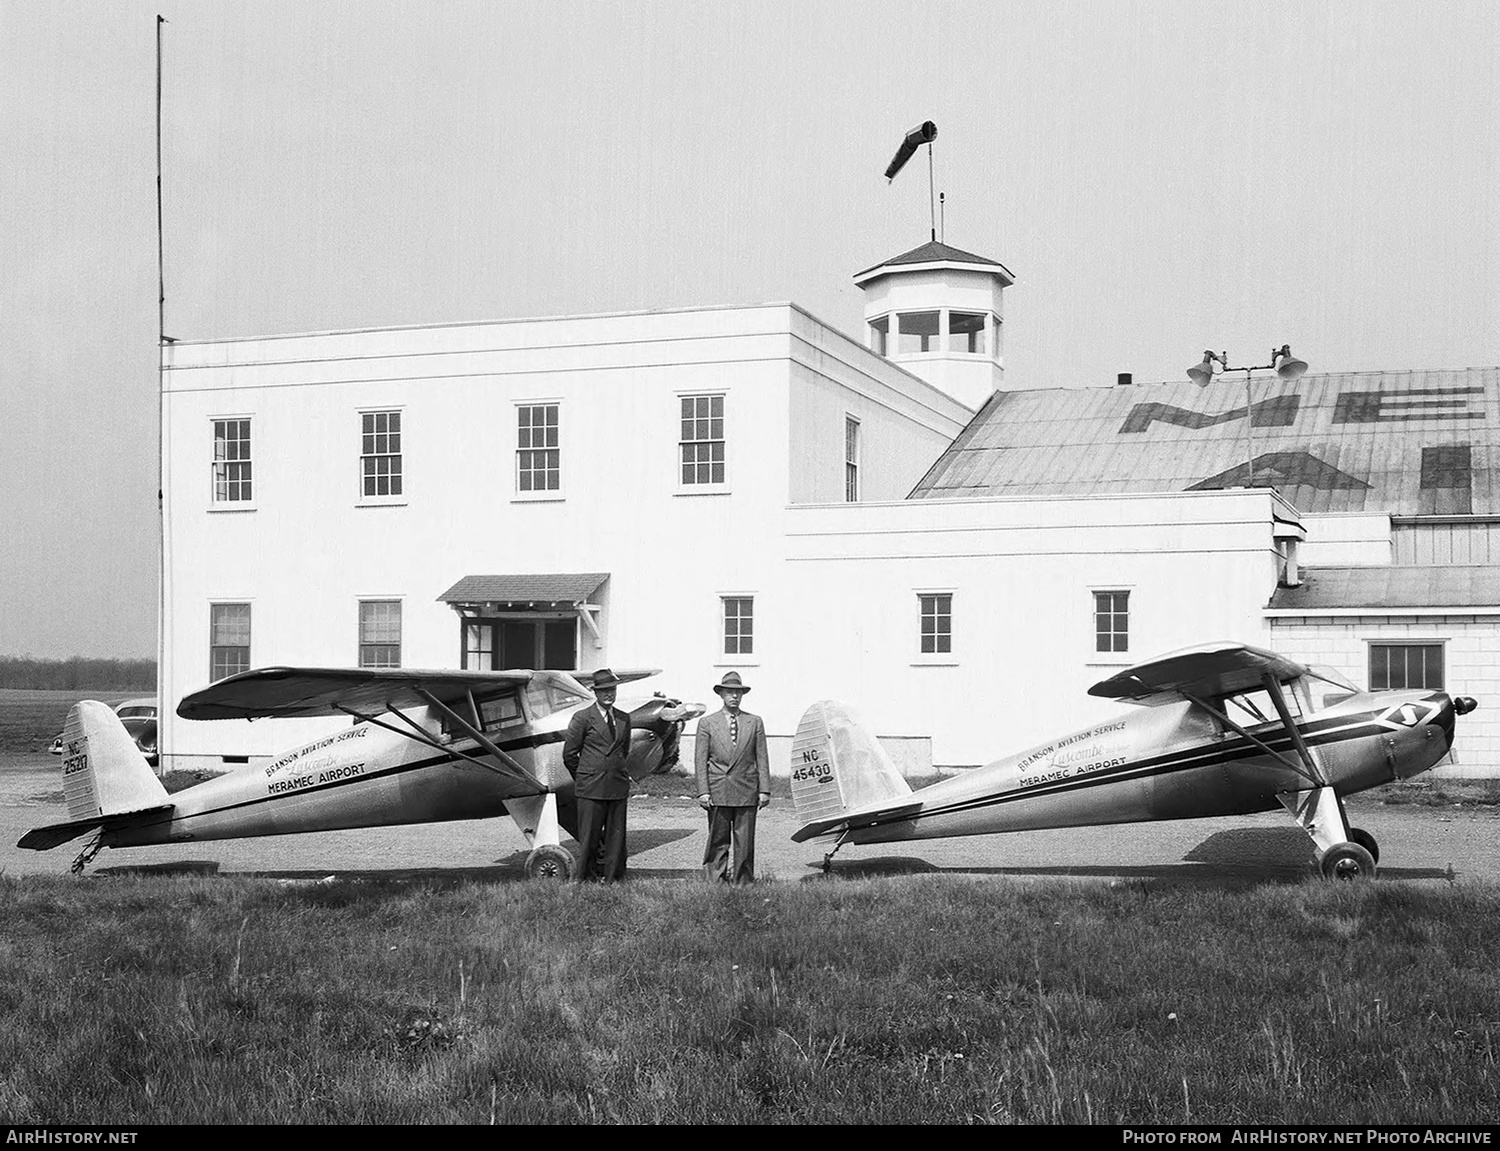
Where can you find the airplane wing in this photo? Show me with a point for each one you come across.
(1214, 669)
(283, 692)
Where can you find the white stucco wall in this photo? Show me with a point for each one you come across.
(1356, 539)
(309, 547)
(1022, 573)
(1471, 658)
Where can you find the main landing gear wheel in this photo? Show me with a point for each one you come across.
(550, 861)
(1348, 861)
(1362, 837)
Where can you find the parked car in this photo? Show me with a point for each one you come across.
(139, 717)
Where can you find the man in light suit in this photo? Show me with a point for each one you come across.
(734, 782)
(595, 751)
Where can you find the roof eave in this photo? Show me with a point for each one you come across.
(999, 271)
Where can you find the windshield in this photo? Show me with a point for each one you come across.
(1329, 675)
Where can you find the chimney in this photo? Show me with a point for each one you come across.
(1122, 380)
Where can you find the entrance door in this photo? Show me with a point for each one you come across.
(519, 641)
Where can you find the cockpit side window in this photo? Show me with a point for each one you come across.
(498, 712)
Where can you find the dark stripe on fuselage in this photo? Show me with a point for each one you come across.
(524, 742)
(1338, 729)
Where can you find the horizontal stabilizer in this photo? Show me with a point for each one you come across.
(851, 820)
(46, 838)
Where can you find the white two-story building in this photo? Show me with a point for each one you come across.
(879, 520)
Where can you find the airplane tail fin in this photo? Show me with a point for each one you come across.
(104, 775)
(838, 765)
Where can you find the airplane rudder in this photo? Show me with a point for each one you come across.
(103, 770)
(816, 791)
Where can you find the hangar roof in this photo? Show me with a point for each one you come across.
(1397, 586)
(1407, 443)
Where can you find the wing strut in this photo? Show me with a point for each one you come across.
(1312, 775)
(422, 736)
(1273, 689)
(473, 732)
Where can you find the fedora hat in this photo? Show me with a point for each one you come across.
(731, 682)
(605, 678)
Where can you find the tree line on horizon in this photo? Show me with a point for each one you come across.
(76, 673)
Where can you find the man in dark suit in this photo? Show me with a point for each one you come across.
(734, 782)
(595, 751)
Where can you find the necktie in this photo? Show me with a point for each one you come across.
(609, 718)
(734, 729)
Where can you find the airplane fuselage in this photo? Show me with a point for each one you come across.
(369, 776)
(1175, 761)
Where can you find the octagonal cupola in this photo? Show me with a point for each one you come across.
(936, 311)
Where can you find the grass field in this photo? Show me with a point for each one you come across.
(918, 999)
(29, 720)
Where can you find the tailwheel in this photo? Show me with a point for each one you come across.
(1348, 861)
(1362, 837)
(550, 861)
(90, 849)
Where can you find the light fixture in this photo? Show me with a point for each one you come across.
(1203, 374)
(1287, 366)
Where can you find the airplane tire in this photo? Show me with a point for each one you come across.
(1348, 861)
(550, 861)
(1362, 837)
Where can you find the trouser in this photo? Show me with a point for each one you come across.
(730, 829)
(601, 835)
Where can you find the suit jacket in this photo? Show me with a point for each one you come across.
(732, 773)
(597, 761)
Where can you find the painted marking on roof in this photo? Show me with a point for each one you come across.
(1285, 469)
(1427, 404)
(1277, 412)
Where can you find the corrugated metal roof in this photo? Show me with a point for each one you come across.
(1343, 442)
(546, 587)
(1394, 587)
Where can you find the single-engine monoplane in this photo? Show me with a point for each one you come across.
(1226, 729)
(425, 746)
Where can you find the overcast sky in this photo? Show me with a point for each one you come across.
(1160, 176)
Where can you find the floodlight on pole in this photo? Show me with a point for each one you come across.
(1285, 365)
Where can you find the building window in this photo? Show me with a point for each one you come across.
(702, 444)
(538, 457)
(851, 460)
(937, 623)
(231, 467)
(1406, 665)
(880, 335)
(966, 332)
(1111, 621)
(479, 646)
(739, 625)
(380, 454)
(379, 633)
(918, 331)
(228, 639)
